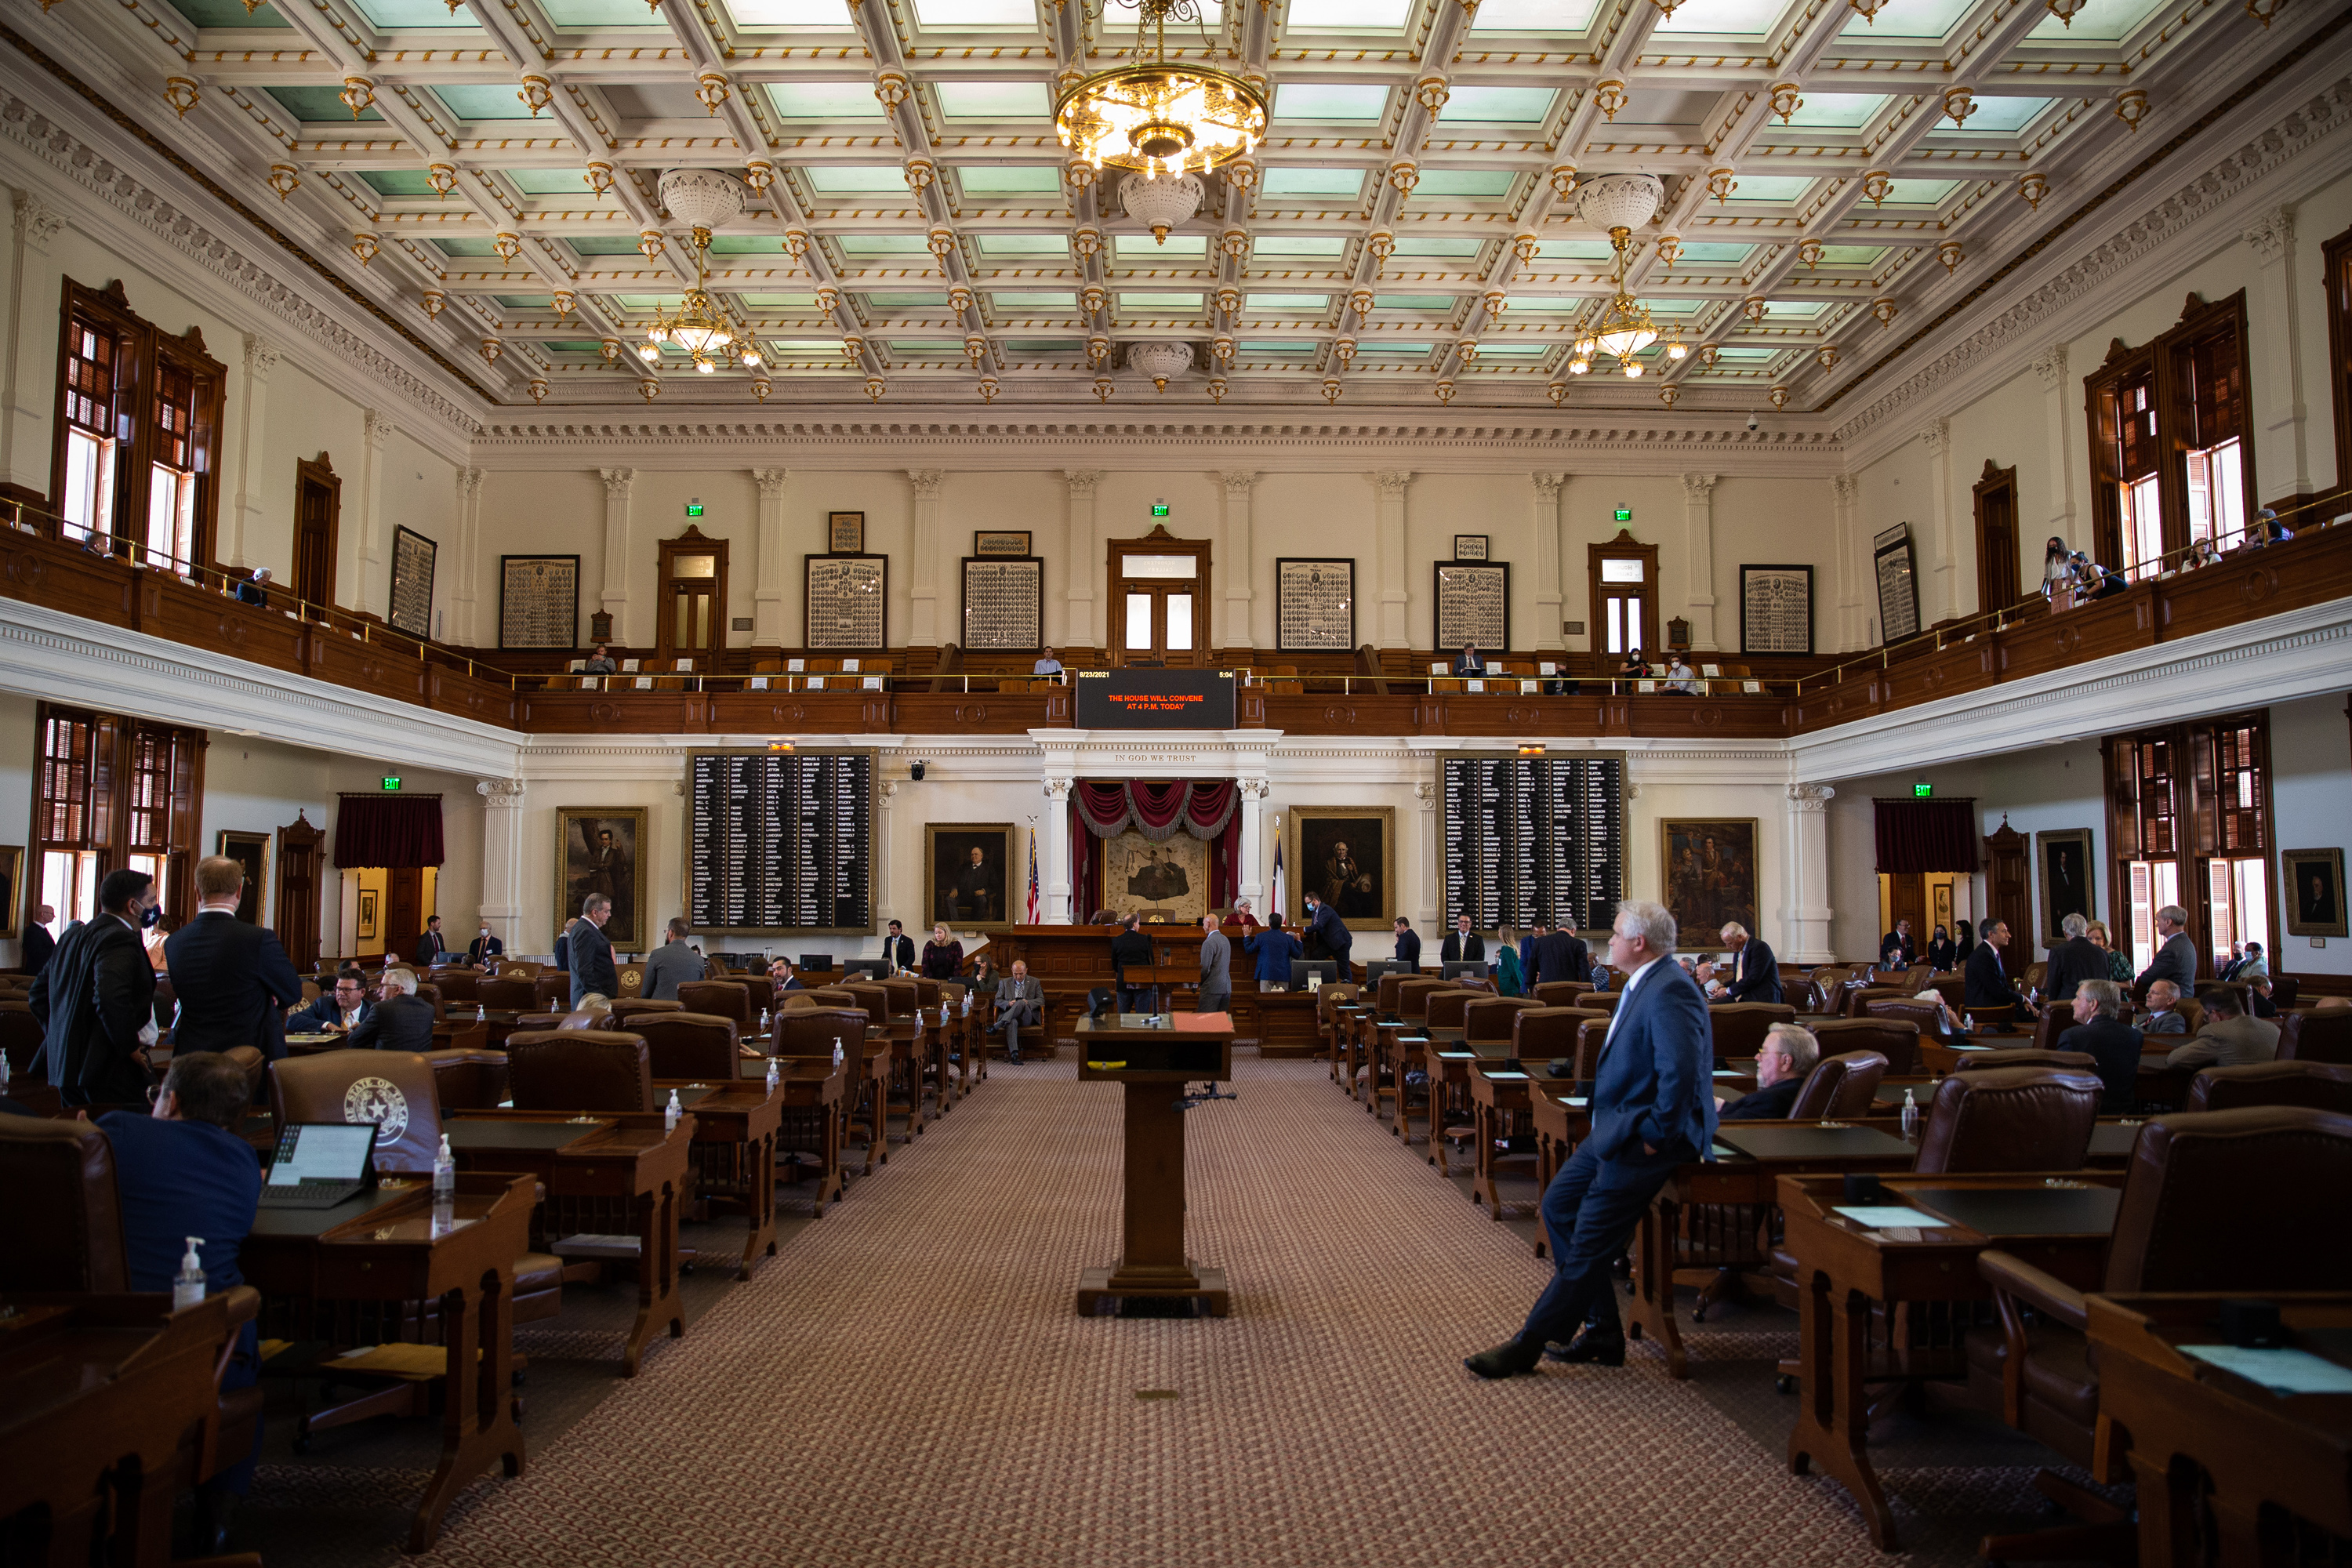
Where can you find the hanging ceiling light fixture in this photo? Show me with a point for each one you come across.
(703, 199)
(1618, 202)
(1158, 115)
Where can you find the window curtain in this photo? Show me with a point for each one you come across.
(1927, 836)
(1159, 810)
(394, 831)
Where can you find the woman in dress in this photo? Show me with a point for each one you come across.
(1940, 950)
(1506, 962)
(942, 955)
(1964, 943)
(2057, 565)
(2118, 964)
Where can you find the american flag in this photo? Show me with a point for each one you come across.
(1033, 876)
(1274, 904)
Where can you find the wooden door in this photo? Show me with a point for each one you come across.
(1999, 582)
(1159, 600)
(404, 910)
(318, 506)
(2008, 892)
(1625, 579)
(693, 598)
(300, 855)
(1906, 900)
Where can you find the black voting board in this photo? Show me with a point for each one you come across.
(1524, 836)
(780, 841)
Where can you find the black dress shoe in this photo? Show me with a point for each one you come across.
(1592, 1348)
(1509, 1358)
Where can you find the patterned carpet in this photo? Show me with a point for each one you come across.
(907, 1384)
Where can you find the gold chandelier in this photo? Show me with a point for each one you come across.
(1158, 115)
(1624, 328)
(699, 328)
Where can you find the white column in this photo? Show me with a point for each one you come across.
(1805, 918)
(925, 624)
(768, 556)
(502, 834)
(1549, 592)
(887, 896)
(1085, 561)
(1254, 855)
(1057, 851)
(1426, 917)
(615, 597)
(25, 412)
(2064, 426)
(1940, 596)
(2280, 427)
(1853, 572)
(372, 591)
(1394, 594)
(1237, 561)
(1698, 528)
(252, 411)
(464, 603)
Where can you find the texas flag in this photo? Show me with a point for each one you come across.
(1276, 904)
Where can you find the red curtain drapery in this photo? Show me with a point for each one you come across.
(1159, 810)
(394, 831)
(1927, 836)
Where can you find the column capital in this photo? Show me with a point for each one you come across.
(2050, 365)
(470, 482)
(1391, 482)
(1547, 487)
(1426, 792)
(2272, 232)
(927, 482)
(1082, 481)
(1846, 486)
(1699, 489)
(1938, 434)
(1254, 789)
(260, 356)
(501, 793)
(36, 222)
(1059, 789)
(617, 483)
(1238, 483)
(1810, 797)
(772, 481)
(374, 427)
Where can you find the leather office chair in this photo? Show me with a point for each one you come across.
(1925, 1018)
(566, 1069)
(638, 1007)
(1445, 1009)
(2319, 1037)
(2055, 1020)
(906, 996)
(430, 993)
(1591, 1034)
(1494, 1017)
(2010, 1118)
(1856, 1002)
(719, 998)
(2321, 1085)
(1601, 1001)
(833, 996)
(1739, 1026)
(1382, 1072)
(811, 1031)
(1896, 1040)
(869, 996)
(2025, 1056)
(690, 1045)
(1562, 992)
(1391, 983)
(1840, 1087)
(552, 990)
(515, 993)
(458, 985)
(255, 1064)
(2192, 1011)
(1548, 1034)
(1953, 987)
(1827, 983)
(2191, 1218)
(468, 1080)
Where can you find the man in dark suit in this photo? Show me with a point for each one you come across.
(484, 948)
(1469, 662)
(32, 953)
(1987, 983)
(1130, 949)
(1408, 944)
(1324, 924)
(1783, 1062)
(1562, 955)
(1651, 1110)
(2073, 961)
(2176, 956)
(1755, 972)
(591, 955)
(2111, 1042)
(563, 944)
(899, 948)
(234, 980)
(429, 950)
(1896, 950)
(401, 1021)
(340, 1010)
(96, 1001)
(1463, 945)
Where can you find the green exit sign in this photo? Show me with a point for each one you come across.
(1624, 515)
(694, 509)
(1159, 509)
(1923, 791)
(392, 781)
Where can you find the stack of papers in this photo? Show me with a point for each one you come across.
(1890, 1216)
(2280, 1371)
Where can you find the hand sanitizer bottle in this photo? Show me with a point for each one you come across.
(4, 1072)
(188, 1285)
(836, 1051)
(1910, 1115)
(774, 1074)
(671, 1113)
(445, 1189)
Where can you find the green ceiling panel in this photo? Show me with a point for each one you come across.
(825, 101)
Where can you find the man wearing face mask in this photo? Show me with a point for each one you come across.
(484, 947)
(95, 1000)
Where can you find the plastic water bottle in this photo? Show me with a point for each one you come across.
(764, 1020)
(967, 1007)
(671, 1113)
(1910, 1115)
(943, 1013)
(445, 1189)
(188, 1285)
(774, 1074)
(4, 1072)
(837, 1052)
(481, 1014)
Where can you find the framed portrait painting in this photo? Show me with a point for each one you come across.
(251, 851)
(368, 905)
(2315, 892)
(1707, 865)
(16, 898)
(1346, 854)
(601, 849)
(2061, 860)
(971, 884)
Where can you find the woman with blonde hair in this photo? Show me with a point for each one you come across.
(2118, 964)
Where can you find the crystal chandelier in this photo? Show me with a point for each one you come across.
(704, 198)
(1623, 329)
(1160, 116)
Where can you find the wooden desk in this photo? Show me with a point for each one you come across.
(610, 1163)
(814, 1102)
(735, 1127)
(1845, 1268)
(1500, 1098)
(1155, 1064)
(381, 1246)
(2260, 1450)
(1288, 1023)
(100, 1397)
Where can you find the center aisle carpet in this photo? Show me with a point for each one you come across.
(907, 1383)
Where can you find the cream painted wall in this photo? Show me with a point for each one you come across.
(17, 800)
(2311, 807)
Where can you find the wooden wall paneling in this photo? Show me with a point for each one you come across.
(300, 856)
(946, 713)
(2009, 888)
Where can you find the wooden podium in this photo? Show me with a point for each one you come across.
(1155, 1063)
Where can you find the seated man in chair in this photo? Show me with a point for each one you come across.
(1783, 1062)
(1019, 1000)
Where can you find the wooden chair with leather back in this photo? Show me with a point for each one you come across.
(430, 993)
(1896, 1040)
(811, 1032)
(1840, 1087)
(1562, 992)
(1496, 1017)
(1925, 1018)
(1856, 1000)
(515, 993)
(2320, 1036)
(2010, 1118)
(553, 989)
(1392, 986)
(1448, 1103)
(1601, 1001)
(1540, 1035)
(2321, 1085)
(690, 1045)
(2205, 1207)
(1739, 1026)
(2026, 1056)
(905, 995)
(1383, 1072)
(458, 985)
(469, 1080)
(256, 1065)
(722, 998)
(1953, 987)
(638, 1008)
(579, 1070)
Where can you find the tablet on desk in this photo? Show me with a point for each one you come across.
(318, 1164)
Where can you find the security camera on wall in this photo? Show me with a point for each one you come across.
(915, 772)
(1753, 423)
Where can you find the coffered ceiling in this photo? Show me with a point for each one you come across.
(487, 171)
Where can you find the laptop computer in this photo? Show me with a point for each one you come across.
(318, 1164)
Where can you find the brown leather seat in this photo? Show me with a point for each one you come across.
(430, 993)
(869, 997)
(2010, 1118)
(2025, 1056)
(811, 1031)
(2320, 1037)
(1739, 1026)
(833, 996)
(565, 1070)
(1414, 992)
(1601, 1001)
(906, 996)
(1562, 993)
(2321, 1085)
(469, 1080)
(554, 988)
(1448, 1008)
(255, 1064)
(690, 1045)
(1545, 1034)
(1896, 1040)
(719, 998)
(2192, 1012)
(1952, 987)
(1494, 1017)
(1391, 983)
(514, 994)
(1591, 1034)
(1926, 1019)
(1856, 1002)
(633, 1007)
(458, 985)
(1840, 1087)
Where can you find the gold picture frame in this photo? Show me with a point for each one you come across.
(587, 860)
(2313, 882)
(1315, 834)
(2063, 882)
(17, 901)
(845, 532)
(963, 895)
(1708, 876)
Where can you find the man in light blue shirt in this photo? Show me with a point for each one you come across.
(1046, 663)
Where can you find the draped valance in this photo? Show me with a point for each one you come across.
(1157, 810)
(1927, 836)
(394, 831)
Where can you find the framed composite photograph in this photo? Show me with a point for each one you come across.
(845, 532)
(2061, 862)
(251, 851)
(2315, 892)
(1001, 542)
(1776, 609)
(1313, 605)
(1004, 603)
(843, 601)
(1709, 870)
(1471, 546)
(539, 600)
(1896, 566)
(1346, 854)
(16, 898)
(1166, 883)
(970, 883)
(601, 849)
(412, 582)
(1474, 605)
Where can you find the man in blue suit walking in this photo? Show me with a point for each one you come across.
(1652, 1109)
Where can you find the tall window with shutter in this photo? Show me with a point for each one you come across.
(2188, 823)
(111, 793)
(2170, 463)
